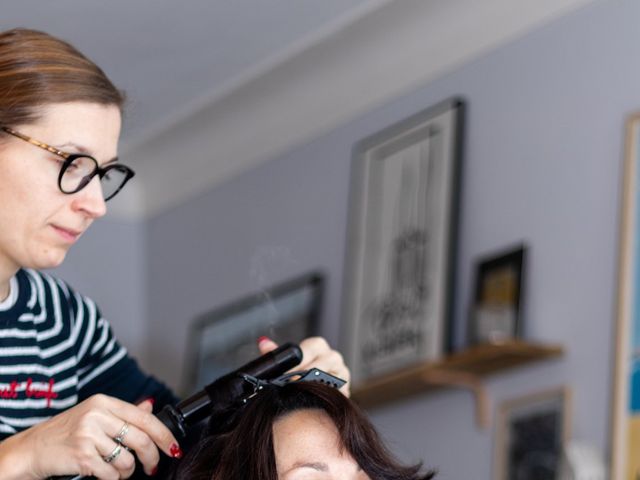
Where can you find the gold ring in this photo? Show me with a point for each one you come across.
(113, 455)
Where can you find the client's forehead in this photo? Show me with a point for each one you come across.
(308, 440)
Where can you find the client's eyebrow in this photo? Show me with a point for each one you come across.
(319, 466)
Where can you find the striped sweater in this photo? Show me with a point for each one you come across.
(56, 350)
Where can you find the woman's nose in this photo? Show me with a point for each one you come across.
(90, 199)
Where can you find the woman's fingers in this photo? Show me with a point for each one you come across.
(112, 424)
(265, 345)
(117, 457)
(141, 444)
(146, 405)
(147, 423)
(316, 353)
(78, 440)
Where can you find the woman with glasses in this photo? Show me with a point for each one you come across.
(299, 431)
(70, 396)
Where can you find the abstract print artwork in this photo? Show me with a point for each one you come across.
(402, 242)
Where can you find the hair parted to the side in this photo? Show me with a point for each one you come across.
(37, 69)
(241, 446)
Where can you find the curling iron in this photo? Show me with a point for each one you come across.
(228, 389)
(224, 392)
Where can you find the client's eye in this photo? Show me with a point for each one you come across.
(307, 474)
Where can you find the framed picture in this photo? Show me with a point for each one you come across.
(402, 242)
(625, 442)
(495, 314)
(531, 432)
(225, 338)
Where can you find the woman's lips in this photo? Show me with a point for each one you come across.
(67, 235)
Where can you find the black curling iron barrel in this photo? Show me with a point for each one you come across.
(228, 389)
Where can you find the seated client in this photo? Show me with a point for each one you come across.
(299, 431)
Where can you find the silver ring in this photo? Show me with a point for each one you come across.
(113, 455)
(119, 438)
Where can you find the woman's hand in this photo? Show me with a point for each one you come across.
(82, 439)
(316, 354)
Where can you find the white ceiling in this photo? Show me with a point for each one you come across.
(180, 62)
(168, 54)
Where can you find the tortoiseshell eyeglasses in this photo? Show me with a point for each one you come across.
(78, 170)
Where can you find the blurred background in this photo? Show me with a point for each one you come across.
(241, 122)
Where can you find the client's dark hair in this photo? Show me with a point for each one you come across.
(242, 448)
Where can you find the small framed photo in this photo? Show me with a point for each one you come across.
(224, 338)
(496, 313)
(531, 434)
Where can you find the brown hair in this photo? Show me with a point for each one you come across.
(243, 447)
(38, 69)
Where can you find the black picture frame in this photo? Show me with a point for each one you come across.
(401, 256)
(225, 338)
(496, 310)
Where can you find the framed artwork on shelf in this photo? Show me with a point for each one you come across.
(225, 338)
(625, 442)
(531, 433)
(496, 311)
(402, 243)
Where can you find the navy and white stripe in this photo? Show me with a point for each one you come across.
(56, 350)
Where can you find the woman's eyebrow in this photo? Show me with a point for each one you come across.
(73, 146)
(80, 149)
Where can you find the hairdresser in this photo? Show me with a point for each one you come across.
(71, 398)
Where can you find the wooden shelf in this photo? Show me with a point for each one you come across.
(462, 369)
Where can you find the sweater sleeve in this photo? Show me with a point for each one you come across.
(125, 380)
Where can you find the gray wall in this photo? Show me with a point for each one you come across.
(543, 165)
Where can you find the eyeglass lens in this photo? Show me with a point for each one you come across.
(79, 170)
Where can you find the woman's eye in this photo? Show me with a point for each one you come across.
(57, 162)
(307, 474)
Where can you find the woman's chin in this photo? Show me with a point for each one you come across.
(51, 259)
